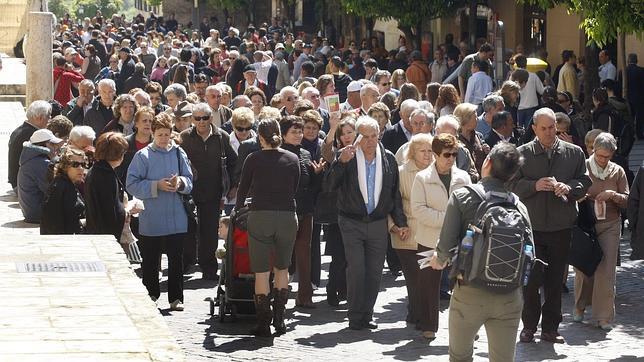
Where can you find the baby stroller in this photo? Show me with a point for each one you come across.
(236, 281)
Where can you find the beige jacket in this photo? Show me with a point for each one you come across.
(429, 202)
(406, 173)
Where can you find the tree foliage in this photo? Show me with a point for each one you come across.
(82, 8)
(409, 13)
(603, 20)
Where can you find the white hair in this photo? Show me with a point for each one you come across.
(426, 105)
(176, 89)
(490, 102)
(366, 121)
(201, 108)
(81, 132)
(308, 90)
(429, 116)
(287, 89)
(107, 82)
(605, 141)
(366, 87)
(448, 120)
(38, 109)
(234, 54)
(408, 106)
(543, 112)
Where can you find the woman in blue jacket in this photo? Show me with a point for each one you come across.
(157, 174)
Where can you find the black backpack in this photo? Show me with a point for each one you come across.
(498, 260)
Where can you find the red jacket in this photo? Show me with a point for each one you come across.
(65, 78)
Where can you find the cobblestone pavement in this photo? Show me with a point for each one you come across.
(322, 333)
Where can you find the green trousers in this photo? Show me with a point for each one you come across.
(470, 308)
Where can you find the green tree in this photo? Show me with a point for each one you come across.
(603, 22)
(410, 14)
(79, 9)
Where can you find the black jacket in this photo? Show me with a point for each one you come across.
(205, 157)
(635, 213)
(394, 138)
(136, 80)
(103, 199)
(62, 209)
(19, 136)
(309, 185)
(98, 116)
(127, 69)
(343, 177)
(245, 149)
(493, 138)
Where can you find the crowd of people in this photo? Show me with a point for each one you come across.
(152, 111)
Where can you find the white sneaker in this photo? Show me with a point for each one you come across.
(176, 305)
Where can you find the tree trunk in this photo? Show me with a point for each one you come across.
(472, 25)
(591, 76)
(621, 62)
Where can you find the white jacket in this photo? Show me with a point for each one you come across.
(406, 176)
(429, 202)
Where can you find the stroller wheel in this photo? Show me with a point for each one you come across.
(222, 309)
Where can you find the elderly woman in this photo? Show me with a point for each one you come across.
(257, 98)
(610, 190)
(447, 100)
(419, 157)
(174, 94)
(292, 134)
(157, 175)
(243, 122)
(473, 140)
(381, 113)
(429, 195)
(124, 109)
(270, 177)
(103, 189)
(63, 205)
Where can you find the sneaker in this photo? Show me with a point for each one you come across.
(177, 305)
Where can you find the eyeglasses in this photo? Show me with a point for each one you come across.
(243, 129)
(202, 118)
(77, 164)
(291, 99)
(448, 154)
(215, 96)
(315, 96)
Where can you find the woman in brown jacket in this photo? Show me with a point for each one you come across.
(418, 72)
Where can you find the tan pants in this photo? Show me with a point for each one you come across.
(470, 308)
(599, 290)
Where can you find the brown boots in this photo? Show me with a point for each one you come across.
(280, 297)
(263, 312)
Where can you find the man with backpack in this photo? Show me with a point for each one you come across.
(487, 290)
(551, 180)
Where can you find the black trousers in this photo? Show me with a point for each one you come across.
(393, 263)
(552, 248)
(316, 257)
(337, 269)
(151, 253)
(208, 235)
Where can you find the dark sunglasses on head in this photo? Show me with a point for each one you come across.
(77, 164)
(202, 118)
(448, 154)
(243, 129)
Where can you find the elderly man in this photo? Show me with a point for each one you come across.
(288, 96)
(205, 146)
(401, 132)
(250, 80)
(422, 121)
(549, 183)
(220, 113)
(353, 97)
(175, 93)
(38, 114)
(368, 96)
(312, 94)
(502, 130)
(76, 109)
(367, 177)
(492, 104)
(100, 114)
(382, 79)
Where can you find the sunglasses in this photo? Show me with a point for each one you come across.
(243, 129)
(448, 154)
(77, 164)
(385, 84)
(202, 118)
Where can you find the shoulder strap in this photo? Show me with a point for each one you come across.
(222, 150)
(178, 160)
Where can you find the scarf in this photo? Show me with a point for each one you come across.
(362, 176)
(600, 173)
(313, 147)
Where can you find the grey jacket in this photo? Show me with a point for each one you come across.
(32, 181)
(567, 164)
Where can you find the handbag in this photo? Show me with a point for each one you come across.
(585, 252)
(225, 178)
(188, 203)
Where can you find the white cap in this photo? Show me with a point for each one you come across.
(354, 86)
(279, 46)
(44, 135)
